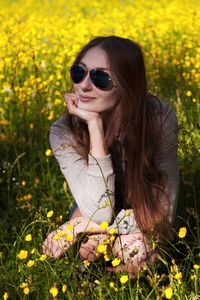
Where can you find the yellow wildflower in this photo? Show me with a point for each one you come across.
(53, 291)
(124, 279)
(30, 263)
(188, 93)
(103, 225)
(23, 183)
(43, 257)
(26, 290)
(61, 233)
(5, 296)
(56, 237)
(48, 152)
(28, 237)
(23, 285)
(182, 232)
(59, 219)
(112, 238)
(168, 292)
(70, 227)
(69, 237)
(86, 263)
(178, 276)
(111, 230)
(50, 214)
(116, 262)
(111, 285)
(106, 257)
(102, 248)
(33, 251)
(64, 288)
(196, 267)
(22, 254)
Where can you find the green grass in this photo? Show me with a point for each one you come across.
(27, 110)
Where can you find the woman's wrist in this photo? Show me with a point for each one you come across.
(98, 147)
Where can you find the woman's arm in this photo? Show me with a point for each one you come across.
(98, 147)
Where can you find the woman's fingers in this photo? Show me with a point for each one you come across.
(54, 248)
(72, 102)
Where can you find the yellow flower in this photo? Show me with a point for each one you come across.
(30, 263)
(59, 219)
(102, 248)
(116, 262)
(23, 183)
(106, 257)
(64, 288)
(111, 231)
(48, 152)
(33, 251)
(111, 285)
(168, 293)
(50, 214)
(178, 276)
(103, 225)
(53, 291)
(196, 267)
(43, 257)
(182, 232)
(56, 237)
(70, 227)
(28, 237)
(188, 93)
(5, 296)
(124, 279)
(112, 238)
(26, 290)
(86, 263)
(69, 237)
(61, 233)
(127, 213)
(23, 285)
(22, 254)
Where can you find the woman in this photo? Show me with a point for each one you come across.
(117, 148)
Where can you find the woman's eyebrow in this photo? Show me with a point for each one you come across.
(99, 68)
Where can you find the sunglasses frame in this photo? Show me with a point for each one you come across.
(110, 81)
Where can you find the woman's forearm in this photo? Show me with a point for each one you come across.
(98, 148)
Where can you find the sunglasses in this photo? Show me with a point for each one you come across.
(99, 78)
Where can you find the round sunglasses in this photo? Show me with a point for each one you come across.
(99, 78)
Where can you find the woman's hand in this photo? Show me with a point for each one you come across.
(58, 241)
(72, 101)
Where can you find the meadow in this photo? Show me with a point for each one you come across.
(38, 42)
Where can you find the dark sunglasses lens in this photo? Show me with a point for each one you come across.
(77, 73)
(100, 79)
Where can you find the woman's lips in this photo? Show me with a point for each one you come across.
(86, 98)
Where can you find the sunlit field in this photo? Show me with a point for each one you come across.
(38, 42)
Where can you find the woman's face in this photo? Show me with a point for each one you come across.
(90, 97)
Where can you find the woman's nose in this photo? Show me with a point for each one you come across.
(86, 84)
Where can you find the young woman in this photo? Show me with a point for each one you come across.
(117, 148)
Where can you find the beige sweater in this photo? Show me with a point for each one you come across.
(90, 183)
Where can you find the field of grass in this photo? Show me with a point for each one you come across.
(38, 42)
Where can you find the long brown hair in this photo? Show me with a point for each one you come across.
(132, 132)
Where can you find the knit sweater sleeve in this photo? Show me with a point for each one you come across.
(92, 183)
